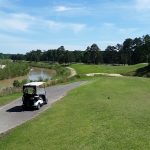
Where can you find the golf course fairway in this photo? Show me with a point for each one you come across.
(108, 113)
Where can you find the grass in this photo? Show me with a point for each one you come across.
(9, 82)
(8, 98)
(108, 113)
(124, 70)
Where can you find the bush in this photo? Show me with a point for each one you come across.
(16, 83)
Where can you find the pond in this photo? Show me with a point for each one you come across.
(39, 74)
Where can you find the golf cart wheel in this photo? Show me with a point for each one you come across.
(38, 106)
(23, 107)
(46, 101)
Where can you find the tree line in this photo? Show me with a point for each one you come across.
(131, 51)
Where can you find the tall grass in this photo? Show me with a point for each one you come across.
(14, 69)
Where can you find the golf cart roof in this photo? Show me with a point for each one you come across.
(34, 84)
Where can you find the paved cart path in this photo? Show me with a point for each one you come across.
(12, 115)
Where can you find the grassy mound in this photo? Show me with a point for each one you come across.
(143, 72)
(108, 113)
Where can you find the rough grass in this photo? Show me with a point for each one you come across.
(9, 82)
(109, 113)
(124, 70)
(8, 98)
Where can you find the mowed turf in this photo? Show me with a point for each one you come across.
(124, 70)
(106, 114)
(8, 98)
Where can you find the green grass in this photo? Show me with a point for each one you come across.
(8, 98)
(107, 114)
(124, 70)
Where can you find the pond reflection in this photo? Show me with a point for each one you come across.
(39, 75)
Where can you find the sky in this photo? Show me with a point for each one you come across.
(27, 25)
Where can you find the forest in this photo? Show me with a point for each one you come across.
(131, 51)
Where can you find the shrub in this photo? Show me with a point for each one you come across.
(16, 83)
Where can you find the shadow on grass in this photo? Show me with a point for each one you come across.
(18, 109)
(143, 72)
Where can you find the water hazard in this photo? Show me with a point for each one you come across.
(39, 74)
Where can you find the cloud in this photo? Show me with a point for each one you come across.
(62, 8)
(75, 27)
(22, 22)
(142, 4)
(15, 21)
(56, 26)
(116, 29)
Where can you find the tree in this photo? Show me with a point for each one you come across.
(111, 55)
(61, 54)
(87, 56)
(34, 55)
(138, 55)
(147, 47)
(92, 54)
(126, 51)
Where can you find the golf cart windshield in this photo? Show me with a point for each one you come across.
(29, 90)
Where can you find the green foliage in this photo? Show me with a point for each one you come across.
(14, 69)
(131, 51)
(5, 61)
(16, 83)
(92, 55)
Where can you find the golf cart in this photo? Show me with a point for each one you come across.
(34, 95)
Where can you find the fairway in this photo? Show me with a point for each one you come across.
(108, 113)
(124, 70)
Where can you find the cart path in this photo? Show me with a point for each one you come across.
(72, 72)
(12, 115)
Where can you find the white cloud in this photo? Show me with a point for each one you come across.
(24, 22)
(57, 26)
(142, 4)
(13, 22)
(77, 27)
(62, 8)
